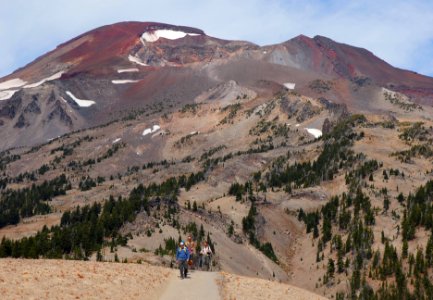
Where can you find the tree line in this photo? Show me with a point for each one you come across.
(87, 229)
(27, 202)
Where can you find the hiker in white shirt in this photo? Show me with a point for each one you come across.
(205, 256)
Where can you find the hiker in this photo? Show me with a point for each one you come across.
(190, 244)
(206, 255)
(182, 257)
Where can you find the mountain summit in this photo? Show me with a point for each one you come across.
(106, 73)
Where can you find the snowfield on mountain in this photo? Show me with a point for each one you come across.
(80, 102)
(12, 83)
(314, 132)
(153, 36)
(49, 78)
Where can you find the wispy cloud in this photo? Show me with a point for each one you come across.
(401, 32)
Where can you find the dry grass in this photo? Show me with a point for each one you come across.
(61, 279)
(234, 287)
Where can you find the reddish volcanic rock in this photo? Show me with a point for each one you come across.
(95, 50)
(109, 45)
(114, 69)
(325, 56)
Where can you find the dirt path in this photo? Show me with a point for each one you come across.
(198, 286)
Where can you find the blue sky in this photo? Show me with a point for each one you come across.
(400, 32)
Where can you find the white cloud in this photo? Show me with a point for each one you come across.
(397, 31)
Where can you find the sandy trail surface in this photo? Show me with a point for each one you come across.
(197, 286)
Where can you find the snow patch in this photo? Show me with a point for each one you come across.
(80, 102)
(52, 139)
(297, 125)
(13, 83)
(153, 36)
(290, 85)
(52, 77)
(5, 95)
(117, 140)
(314, 132)
(136, 60)
(147, 131)
(122, 81)
(194, 132)
(130, 70)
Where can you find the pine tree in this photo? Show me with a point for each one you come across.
(340, 262)
(400, 198)
(429, 252)
(331, 268)
(386, 203)
(419, 262)
(405, 248)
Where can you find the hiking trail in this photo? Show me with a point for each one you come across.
(199, 285)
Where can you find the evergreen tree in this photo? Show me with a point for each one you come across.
(340, 262)
(405, 248)
(331, 268)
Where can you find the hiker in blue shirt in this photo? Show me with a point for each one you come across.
(182, 257)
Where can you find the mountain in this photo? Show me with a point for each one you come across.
(308, 163)
(109, 72)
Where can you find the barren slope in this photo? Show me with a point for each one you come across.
(54, 279)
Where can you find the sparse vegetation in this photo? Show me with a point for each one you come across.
(233, 110)
(86, 183)
(321, 86)
(189, 108)
(421, 150)
(264, 126)
(248, 226)
(415, 131)
(211, 152)
(399, 101)
(185, 140)
(336, 155)
(361, 81)
(6, 158)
